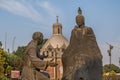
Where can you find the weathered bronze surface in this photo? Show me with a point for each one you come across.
(82, 60)
(34, 63)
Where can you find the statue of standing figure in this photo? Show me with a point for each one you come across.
(82, 60)
(33, 61)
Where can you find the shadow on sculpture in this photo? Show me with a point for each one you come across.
(82, 60)
(33, 61)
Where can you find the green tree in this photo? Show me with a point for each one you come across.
(9, 62)
(106, 68)
(17, 63)
(3, 63)
(20, 51)
(0, 44)
(10, 59)
(14, 63)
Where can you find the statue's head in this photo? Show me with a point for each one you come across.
(37, 36)
(80, 18)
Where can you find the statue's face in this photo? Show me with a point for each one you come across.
(40, 40)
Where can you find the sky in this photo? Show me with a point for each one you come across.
(19, 19)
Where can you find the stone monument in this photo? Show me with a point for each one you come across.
(82, 60)
(33, 61)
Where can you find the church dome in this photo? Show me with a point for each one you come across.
(57, 40)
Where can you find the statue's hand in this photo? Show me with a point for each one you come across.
(52, 60)
(51, 63)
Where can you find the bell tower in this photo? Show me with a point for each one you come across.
(57, 27)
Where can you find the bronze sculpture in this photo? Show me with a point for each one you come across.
(82, 60)
(34, 62)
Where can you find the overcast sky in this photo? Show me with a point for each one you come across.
(19, 19)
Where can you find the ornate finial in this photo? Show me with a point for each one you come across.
(57, 19)
(79, 11)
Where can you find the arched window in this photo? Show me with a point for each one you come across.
(58, 31)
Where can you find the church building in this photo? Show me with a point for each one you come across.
(54, 47)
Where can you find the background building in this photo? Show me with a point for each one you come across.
(54, 47)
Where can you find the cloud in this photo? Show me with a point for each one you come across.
(19, 7)
(31, 9)
(51, 10)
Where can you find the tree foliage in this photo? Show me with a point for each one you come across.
(10, 59)
(0, 44)
(17, 63)
(20, 51)
(106, 68)
(3, 63)
(8, 62)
